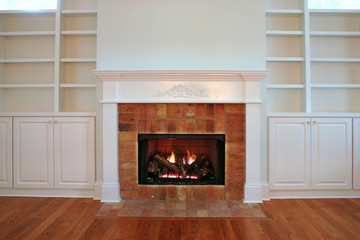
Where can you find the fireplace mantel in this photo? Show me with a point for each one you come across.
(180, 86)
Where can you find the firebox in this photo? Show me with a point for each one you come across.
(181, 159)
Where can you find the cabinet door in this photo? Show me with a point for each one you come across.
(331, 154)
(356, 150)
(33, 152)
(5, 152)
(74, 149)
(289, 153)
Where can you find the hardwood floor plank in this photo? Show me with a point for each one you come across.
(64, 218)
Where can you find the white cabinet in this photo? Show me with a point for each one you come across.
(54, 152)
(356, 151)
(331, 153)
(289, 153)
(310, 153)
(74, 145)
(5, 152)
(33, 152)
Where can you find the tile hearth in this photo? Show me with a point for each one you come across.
(180, 209)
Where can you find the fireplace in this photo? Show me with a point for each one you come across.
(153, 91)
(181, 159)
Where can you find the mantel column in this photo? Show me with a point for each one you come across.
(111, 186)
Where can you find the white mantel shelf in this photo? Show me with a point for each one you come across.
(222, 86)
(181, 86)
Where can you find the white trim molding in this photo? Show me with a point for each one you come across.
(190, 86)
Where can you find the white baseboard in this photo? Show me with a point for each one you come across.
(110, 192)
(265, 191)
(24, 192)
(97, 190)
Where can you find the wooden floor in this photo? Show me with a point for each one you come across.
(63, 218)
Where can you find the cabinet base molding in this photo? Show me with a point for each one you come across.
(97, 190)
(315, 194)
(71, 193)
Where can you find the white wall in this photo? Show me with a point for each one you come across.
(181, 34)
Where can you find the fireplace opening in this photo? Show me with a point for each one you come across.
(181, 159)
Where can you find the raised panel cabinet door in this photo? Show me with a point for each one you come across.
(74, 152)
(5, 152)
(331, 154)
(356, 151)
(33, 152)
(289, 153)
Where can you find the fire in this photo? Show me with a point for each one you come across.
(190, 158)
(187, 160)
(171, 158)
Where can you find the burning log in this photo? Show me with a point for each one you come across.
(180, 163)
(152, 166)
(158, 157)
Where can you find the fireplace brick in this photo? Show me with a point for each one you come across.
(200, 110)
(171, 190)
(143, 192)
(127, 108)
(210, 111)
(181, 193)
(190, 126)
(182, 119)
(129, 186)
(200, 126)
(219, 111)
(128, 146)
(152, 125)
(153, 192)
(127, 117)
(142, 110)
(235, 108)
(127, 127)
(210, 193)
(219, 126)
(129, 195)
(180, 126)
(171, 111)
(151, 110)
(128, 175)
(219, 192)
(142, 126)
(127, 156)
(210, 126)
(171, 124)
(127, 137)
(191, 193)
(162, 193)
(180, 110)
(161, 111)
(190, 110)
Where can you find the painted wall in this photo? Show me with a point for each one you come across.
(181, 34)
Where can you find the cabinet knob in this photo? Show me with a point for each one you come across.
(307, 122)
(314, 122)
(50, 122)
(56, 121)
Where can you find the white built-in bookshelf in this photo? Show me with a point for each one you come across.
(313, 57)
(47, 58)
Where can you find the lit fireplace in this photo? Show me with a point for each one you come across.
(181, 159)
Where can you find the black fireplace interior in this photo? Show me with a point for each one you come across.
(181, 159)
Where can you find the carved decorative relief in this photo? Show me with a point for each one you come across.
(180, 91)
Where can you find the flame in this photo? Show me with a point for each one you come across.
(171, 158)
(190, 158)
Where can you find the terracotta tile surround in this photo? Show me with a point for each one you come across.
(228, 119)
